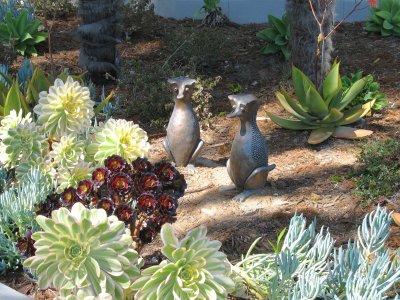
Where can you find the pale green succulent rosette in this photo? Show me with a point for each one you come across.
(118, 137)
(65, 108)
(13, 120)
(84, 253)
(102, 296)
(70, 177)
(67, 152)
(194, 269)
(24, 143)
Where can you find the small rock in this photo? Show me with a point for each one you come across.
(209, 211)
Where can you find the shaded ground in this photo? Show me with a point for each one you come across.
(303, 180)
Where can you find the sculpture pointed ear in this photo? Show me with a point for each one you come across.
(190, 81)
(172, 81)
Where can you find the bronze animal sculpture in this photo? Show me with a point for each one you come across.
(248, 163)
(183, 143)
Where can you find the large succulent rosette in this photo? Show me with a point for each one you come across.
(142, 195)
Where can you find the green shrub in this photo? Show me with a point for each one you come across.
(276, 36)
(22, 33)
(370, 91)
(385, 19)
(379, 171)
(202, 97)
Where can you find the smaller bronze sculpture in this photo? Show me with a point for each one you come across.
(183, 143)
(248, 163)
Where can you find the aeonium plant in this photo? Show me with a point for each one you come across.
(142, 195)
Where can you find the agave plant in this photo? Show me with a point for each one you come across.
(324, 113)
(385, 19)
(277, 36)
(83, 252)
(194, 269)
(22, 33)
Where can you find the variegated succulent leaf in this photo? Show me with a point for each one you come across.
(118, 137)
(194, 269)
(83, 252)
(65, 109)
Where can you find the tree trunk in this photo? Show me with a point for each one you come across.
(304, 32)
(98, 36)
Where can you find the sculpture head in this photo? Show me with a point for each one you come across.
(183, 88)
(245, 106)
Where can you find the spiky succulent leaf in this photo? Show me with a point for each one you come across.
(65, 108)
(118, 137)
(194, 269)
(83, 251)
(321, 113)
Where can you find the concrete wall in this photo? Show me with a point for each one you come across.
(247, 11)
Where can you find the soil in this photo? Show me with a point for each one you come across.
(303, 180)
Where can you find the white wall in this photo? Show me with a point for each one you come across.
(247, 11)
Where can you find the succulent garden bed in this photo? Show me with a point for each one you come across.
(321, 181)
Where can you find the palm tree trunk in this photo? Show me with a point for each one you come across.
(98, 33)
(313, 58)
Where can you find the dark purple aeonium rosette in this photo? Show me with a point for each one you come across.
(107, 204)
(168, 204)
(147, 203)
(141, 165)
(84, 189)
(69, 197)
(125, 213)
(100, 176)
(116, 164)
(141, 195)
(120, 183)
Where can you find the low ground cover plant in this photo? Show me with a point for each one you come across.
(378, 176)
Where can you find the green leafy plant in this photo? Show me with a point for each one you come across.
(324, 113)
(202, 97)
(370, 91)
(213, 15)
(21, 33)
(309, 266)
(277, 36)
(194, 269)
(379, 173)
(385, 18)
(235, 88)
(279, 241)
(84, 253)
